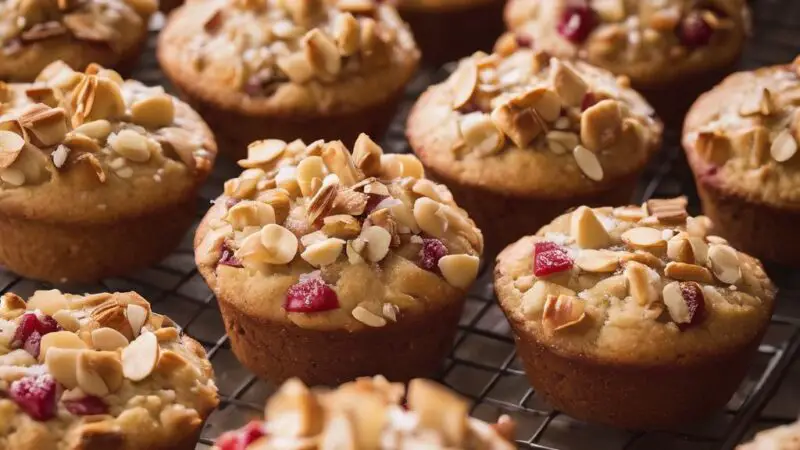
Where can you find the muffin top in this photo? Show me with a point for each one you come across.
(368, 414)
(786, 437)
(743, 135)
(330, 240)
(91, 147)
(520, 122)
(299, 57)
(91, 372)
(34, 33)
(635, 285)
(652, 41)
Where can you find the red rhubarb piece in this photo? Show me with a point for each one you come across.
(239, 440)
(577, 22)
(550, 258)
(431, 252)
(36, 396)
(87, 406)
(694, 31)
(310, 295)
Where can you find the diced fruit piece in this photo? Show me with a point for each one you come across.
(30, 323)
(239, 440)
(36, 396)
(87, 406)
(228, 258)
(48, 325)
(577, 23)
(550, 258)
(432, 251)
(694, 31)
(310, 295)
(32, 345)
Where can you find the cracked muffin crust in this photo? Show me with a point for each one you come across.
(660, 44)
(306, 69)
(447, 30)
(34, 33)
(368, 414)
(741, 139)
(608, 303)
(518, 133)
(328, 266)
(99, 371)
(97, 175)
(786, 437)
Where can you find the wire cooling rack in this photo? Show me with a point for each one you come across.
(483, 364)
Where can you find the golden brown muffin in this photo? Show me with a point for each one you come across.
(519, 137)
(35, 33)
(786, 437)
(328, 266)
(94, 372)
(634, 316)
(98, 175)
(368, 414)
(672, 50)
(741, 139)
(306, 69)
(447, 30)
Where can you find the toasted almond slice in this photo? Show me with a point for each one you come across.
(131, 145)
(308, 170)
(108, 339)
(279, 243)
(639, 285)
(139, 358)
(439, 409)
(481, 134)
(322, 53)
(48, 302)
(679, 249)
(588, 163)
(99, 373)
(783, 147)
(263, 152)
(367, 155)
(11, 144)
(562, 312)
(725, 263)
(643, 237)
(546, 102)
(641, 256)
(153, 112)
(459, 270)
(98, 129)
(62, 364)
(377, 241)
(534, 299)
(587, 229)
(168, 334)
(67, 321)
(137, 317)
(390, 311)
(429, 218)
(59, 339)
(598, 261)
(323, 253)
(629, 213)
(601, 125)
(14, 177)
(464, 81)
(368, 318)
(399, 166)
(688, 272)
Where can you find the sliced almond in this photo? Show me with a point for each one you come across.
(137, 317)
(546, 102)
(342, 226)
(368, 318)
(439, 409)
(481, 134)
(713, 147)
(66, 320)
(280, 244)
(724, 261)
(59, 339)
(597, 261)
(99, 373)
(567, 83)
(377, 241)
(153, 112)
(629, 213)
(521, 125)
(11, 144)
(347, 34)
(601, 125)
(672, 210)
(131, 145)
(367, 155)
(338, 161)
(395, 166)
(639, 285)
(322, 53)
(48, 302)
(323, 253)
(688, 272)
(429, 218)
(682, 300)
(463, 82)
(310, 173)
(587, 229)
(248, 213)
(139, 358)
(679, 249)
(262, 153)
(783, 147)
(562, 312)
(108, 339)
(459, 270)
(62, 364)
(561, 142)
(12, 176)
(644, 238)
(588, 163)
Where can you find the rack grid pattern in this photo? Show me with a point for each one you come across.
(483, 364)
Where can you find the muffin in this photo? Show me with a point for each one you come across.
(664, 47)
(368, 414)
(634, 316)
(34, 33)
(519, 137)
(786, 437)
(98, 176)
(328, 266)
(447, 30)
(304, 69)
(96, 372)
(740, 140)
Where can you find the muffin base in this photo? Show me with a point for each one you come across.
(449, 34)
(234, 131)
(504, 219)
(761, 230)
(83, 253)
(277, 350)
(629, 396)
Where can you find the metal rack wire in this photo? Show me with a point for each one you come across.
(483, 364)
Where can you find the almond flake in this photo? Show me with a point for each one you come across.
(322, 202)
(643, 257)
(562, 312)
(587, 229)
(588, 163)
(561, 142)
(347, 34)
(377, 241)
(137, 317)
(688, 272)
(131, 145)
(14, 177)
(546, 103)
(643, 237)
(521, 125)
(597, 261)
(322, 53)
(567, 83)
(48, 302)
(459, 270)
(139, 358)
(261, 153)
(481, 134)
(639, 285)
(66, 320)
(279, 244)
(368, 318)
(308, 170)
(724, 261)
(62, 364)
(323, 253)
(601, 125)
(248, 213)
(59, 339)
(367, 155)
(338, 161)
(463, 82)
(99, 373)
(11, 144)
(671, 210)
(153, 112)
(108, 339)
(713, 147)
(296, 67)
(429, 218)
(629, 213)
(390, 311)
(783, 147)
